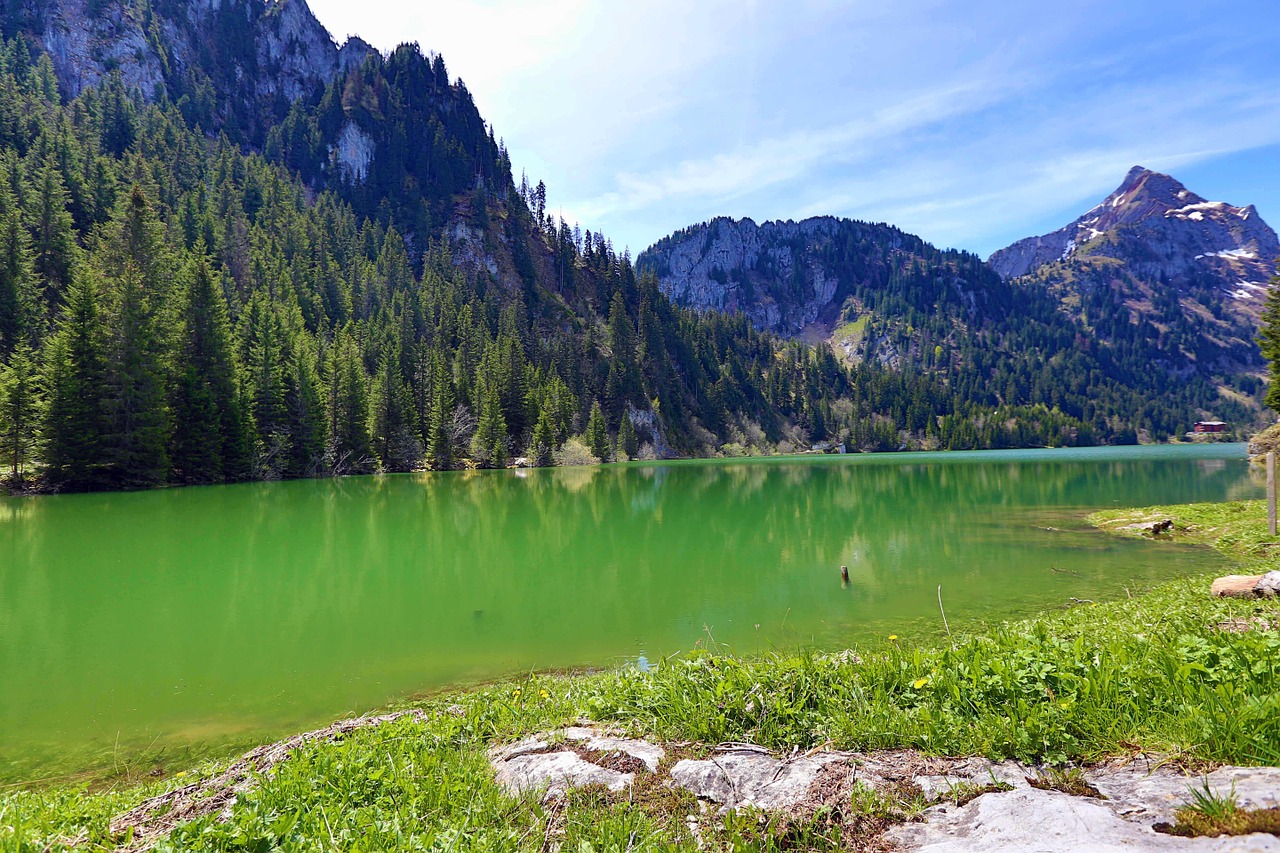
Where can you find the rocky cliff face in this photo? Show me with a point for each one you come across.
(773, 273)
(276, 48)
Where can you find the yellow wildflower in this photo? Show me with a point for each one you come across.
(920, 682)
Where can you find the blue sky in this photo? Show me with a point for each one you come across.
(969, 123)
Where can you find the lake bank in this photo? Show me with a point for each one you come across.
(1153, 674)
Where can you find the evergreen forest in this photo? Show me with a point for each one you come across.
(188, 297)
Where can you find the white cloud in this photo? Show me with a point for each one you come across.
(968, 123)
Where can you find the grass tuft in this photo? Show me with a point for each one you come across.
(1210, 814)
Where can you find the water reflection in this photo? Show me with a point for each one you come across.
(270, 605)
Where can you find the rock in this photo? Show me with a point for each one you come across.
(1235, 586)
(541, 762)
(293, 53)
(555, 773)
(651, 754)
(353, 152)
(1151, 528)
(1268, 586)
(970, 772)
(751, 778)
(1029, 819)
(1152, 795)
(1136, 794)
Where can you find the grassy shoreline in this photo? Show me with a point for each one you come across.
(1157, 673)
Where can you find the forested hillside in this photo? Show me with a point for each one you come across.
(208, 282)
(881, 296)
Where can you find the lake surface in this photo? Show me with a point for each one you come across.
(179, 616)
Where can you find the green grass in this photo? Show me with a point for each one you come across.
(1236, 528)
(1152, 673)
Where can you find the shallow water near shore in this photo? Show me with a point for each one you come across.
(192, 615)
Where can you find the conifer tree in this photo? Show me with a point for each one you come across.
(75, 422)
(133, 261)
(544, 440)
(20, 403)
(598, 433)
(440, 440)
(489, 444)
(628, 442)
(304, 408)
(206, 442)
(392, 427)
(1269, 342)
(53, 231)
(350, 446)
(19, 299)
(263, 354)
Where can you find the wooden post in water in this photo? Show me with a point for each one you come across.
(1271, 493)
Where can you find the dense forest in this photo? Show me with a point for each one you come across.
(184, 307)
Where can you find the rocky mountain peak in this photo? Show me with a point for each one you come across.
(1177, 223)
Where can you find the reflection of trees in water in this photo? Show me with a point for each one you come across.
(315, 582)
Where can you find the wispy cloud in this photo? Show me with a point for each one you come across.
(769, 162)
(970, 123)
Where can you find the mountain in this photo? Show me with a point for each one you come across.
(1197, 270)
(240, 62)
(878, 295)
(235, 250)
(786, 277)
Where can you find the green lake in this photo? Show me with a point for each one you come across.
(168, 618)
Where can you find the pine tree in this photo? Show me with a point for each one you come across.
(392, 426)
(350, 445)
(19, 299)
(263, 358)
(206, 442)
(598, 433)
(75, 422)
(489, 444)
(304, 409)
(1269, 342)
(440, 448)
(133, 261)
(20, 404)
(544, 440)
(628, 442)
(53, 231)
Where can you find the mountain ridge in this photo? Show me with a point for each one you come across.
(352, 280)
(1146, 198)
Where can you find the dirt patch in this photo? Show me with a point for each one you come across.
(612, 759)
(1068, 781)
(1245, 625)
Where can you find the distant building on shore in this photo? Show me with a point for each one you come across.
(1209, 427)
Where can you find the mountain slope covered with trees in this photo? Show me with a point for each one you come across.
(235, 251)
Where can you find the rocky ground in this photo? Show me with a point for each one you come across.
(921, 803)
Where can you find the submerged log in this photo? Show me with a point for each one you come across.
(1236, 586)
